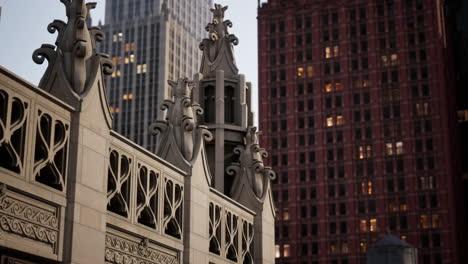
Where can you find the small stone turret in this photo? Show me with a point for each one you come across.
(391, 249)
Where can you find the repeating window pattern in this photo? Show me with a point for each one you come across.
(50, 156)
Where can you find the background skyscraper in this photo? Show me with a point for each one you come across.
(358, 99)
(151, 41)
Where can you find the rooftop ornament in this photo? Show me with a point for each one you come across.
(74, 63)
(218, 48)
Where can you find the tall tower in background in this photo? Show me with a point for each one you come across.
(151, 41)
(360, 101)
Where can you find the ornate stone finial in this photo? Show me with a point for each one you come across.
(250, 171)
(73, 63)
(181, 127)
(218, 48)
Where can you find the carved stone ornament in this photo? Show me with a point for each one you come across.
(120, 250)
(180, 131)
(250, 172)
(217, 50)
(28, 218)
(74, 63)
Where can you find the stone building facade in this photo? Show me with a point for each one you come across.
(72, 190)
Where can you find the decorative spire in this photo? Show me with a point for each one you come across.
(250, 173)
(218, 48)
(74, 62)
(180, 129)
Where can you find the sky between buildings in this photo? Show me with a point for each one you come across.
(23, 28)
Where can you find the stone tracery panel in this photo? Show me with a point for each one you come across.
(51, 150)
(173, 207)
(232, 234)
(147, 207)
(215, 228)
(247, 242)
(14, 113)
(119, 183)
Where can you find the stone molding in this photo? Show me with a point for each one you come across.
(122, 250)
(28, 218)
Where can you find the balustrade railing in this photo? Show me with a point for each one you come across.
(144, 189)
(231, 231)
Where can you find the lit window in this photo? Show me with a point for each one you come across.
(119, 60)
(363, 225)
(373, 225)
(424, 221)
(118, 73)
(462, 116)
(339, 120)
(369, 187)
(336, 51)
(113, 74)
(338, 86)
(403, 207)
(125, 97)
(426, 108)
(132, 58)
(389, 148)
(111, 109)
(328, 87)
(120, 36)
(403, 237)
(368, 151)
(333, 248)
(138, 68)
(435, 221)
(384, 60)
(126, 60)
(286, 250)
(394, 59)
(277, 251)
(365, 83)
(130, 96)
(114, 38)
(310, 71)
(363, 245)
(344, 248)
(117, 109)
(361, 152)
(114, 60)
(399, 148)
(143, 68)
(286, 214)
(300, 72)
(328, 52)
(329, 121)
(127, 47)
(132, 46)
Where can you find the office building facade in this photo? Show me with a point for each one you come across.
(151, 41)
(359, 101)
